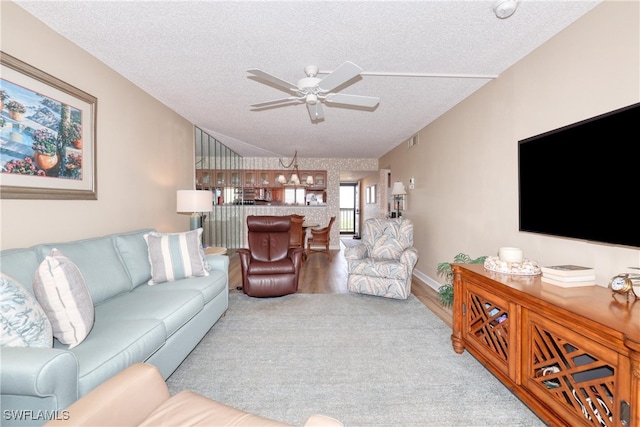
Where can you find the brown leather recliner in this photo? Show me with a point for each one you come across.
(269, 267)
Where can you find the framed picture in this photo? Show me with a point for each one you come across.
(371, 194)
(47, 136)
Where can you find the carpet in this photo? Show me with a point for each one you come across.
(348, 242)
(365, 360)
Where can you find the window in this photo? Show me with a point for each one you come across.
(294, 196)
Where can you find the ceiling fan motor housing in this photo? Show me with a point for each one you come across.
(308, 83)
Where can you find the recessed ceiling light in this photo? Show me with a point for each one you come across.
(505, 8)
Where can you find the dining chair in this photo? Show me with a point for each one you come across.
(320, 239)
(296, 233)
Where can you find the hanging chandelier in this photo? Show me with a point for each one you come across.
(294, 180)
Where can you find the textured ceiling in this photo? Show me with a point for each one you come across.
(193, 56)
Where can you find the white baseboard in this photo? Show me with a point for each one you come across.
(434, 284)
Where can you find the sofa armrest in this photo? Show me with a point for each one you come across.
(218, 262)
(39, 373)
(322, 421)
(125, 399)
(409, 258)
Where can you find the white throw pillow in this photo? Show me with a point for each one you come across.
(175, 256)
(23, 323)
(63, 294)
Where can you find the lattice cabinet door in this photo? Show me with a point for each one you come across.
(490, 328)
(572, 373)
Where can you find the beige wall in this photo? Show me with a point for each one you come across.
(145, 150)
(372, 210)
(465, 165)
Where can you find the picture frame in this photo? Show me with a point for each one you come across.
(371, 194)
(47, 136)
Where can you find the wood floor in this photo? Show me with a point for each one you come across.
(319, 276)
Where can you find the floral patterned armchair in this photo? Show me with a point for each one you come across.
(382, 264)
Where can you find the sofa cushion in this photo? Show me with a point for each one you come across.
(210, 286)
(112, 346)
(382, 268)
(21, 264)
(175, 256)
(100, 264)
(387, 247)
(133, 250)
(173, 308)
(61, 290)
(23, 322)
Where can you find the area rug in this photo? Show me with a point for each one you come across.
(367, 361)
(348, 242)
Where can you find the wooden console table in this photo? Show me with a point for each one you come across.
(571, 354)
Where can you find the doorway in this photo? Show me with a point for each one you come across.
(349, 208)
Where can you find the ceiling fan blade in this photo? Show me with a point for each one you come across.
(275, 101)
(316, 111)
(360, 101)
(339, 76)
(275, 81)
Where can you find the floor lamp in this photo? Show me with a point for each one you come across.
(195, 202)
(398, 192)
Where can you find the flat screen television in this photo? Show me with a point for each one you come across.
(582, 181)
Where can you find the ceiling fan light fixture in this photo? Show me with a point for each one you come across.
(312, 99)
(505, 8)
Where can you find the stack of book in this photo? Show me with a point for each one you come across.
(568, 276)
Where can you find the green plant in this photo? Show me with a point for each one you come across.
(16, 107)
(72, 131)
(44, 141)
(3, 95)
(445, 292)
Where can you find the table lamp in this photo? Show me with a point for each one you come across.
(398, 192)
(196, 202)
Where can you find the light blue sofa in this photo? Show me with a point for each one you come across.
(134, 322)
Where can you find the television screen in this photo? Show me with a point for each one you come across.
(583, 180)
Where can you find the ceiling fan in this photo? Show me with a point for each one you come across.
(313, 91)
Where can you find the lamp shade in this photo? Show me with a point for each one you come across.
(398, 189)
(194, 201)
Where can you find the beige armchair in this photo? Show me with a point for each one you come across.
(382, 264)
(138, 396)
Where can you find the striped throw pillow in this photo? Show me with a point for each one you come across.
(63, 294)
(175, 256)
